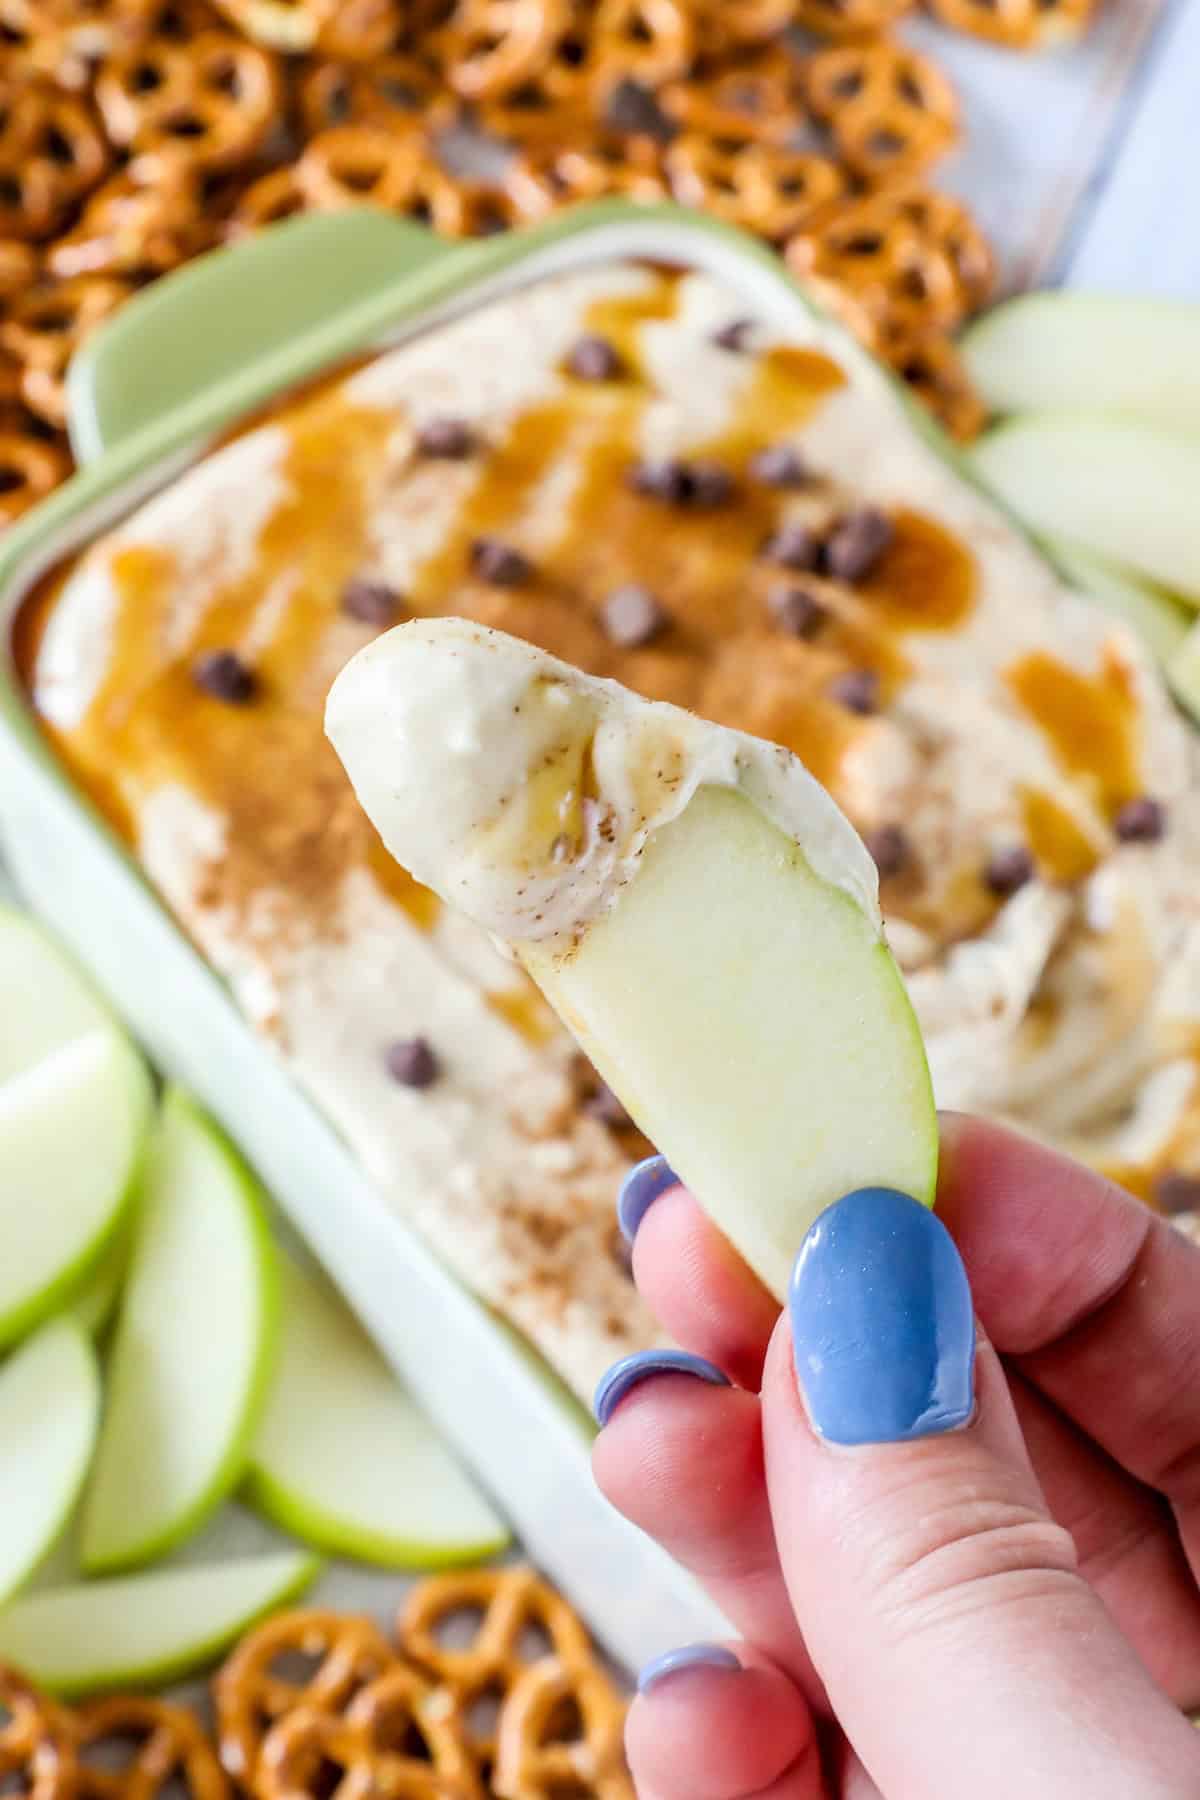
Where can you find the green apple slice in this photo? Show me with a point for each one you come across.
(72, 1129)
(94, 1301)
(1121, 488)
(49, 1411)
(344, 1459)
(191, 1357)
(148, 1629)
(1090, 352)
(1160, 620)
(755, 1027)
(689, 899)
(44, 1001)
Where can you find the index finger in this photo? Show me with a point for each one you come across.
(1096, 1298)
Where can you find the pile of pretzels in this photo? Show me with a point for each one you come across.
(490, 1691)
(136, 133)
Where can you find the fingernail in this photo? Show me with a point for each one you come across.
(883, 1330)
(625, 1375)
(640, 1189)
(691, 1656)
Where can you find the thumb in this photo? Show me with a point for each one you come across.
(962, 1651)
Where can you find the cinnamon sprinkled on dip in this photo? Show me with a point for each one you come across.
(1004, 712)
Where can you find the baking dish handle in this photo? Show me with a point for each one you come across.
(220, 314)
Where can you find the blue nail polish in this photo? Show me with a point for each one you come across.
(883, 1329)
(691, 1656)
(640, 1189)
(616, 1382)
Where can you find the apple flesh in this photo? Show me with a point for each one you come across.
(44, 1001)
(49, 1411)
(1118, 487)
(342, 1457)
(1098, 352)
(191, 1356)
(754, 1025)
(72, 1128)
(148, 1629)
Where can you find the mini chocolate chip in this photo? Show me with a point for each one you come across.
(371, 602)
(735, 335)
(890, 848)
(793, 547)
(224, 675)
(1175, 1192)
(594, 359)
(412, 1062)
(603, 1104)
(633, 616)
(1141, 821)
(781, 466)
(796, 611)
(449, 438)
(499, 563)
(698, 484)
(1007, 870)
(712, 484)
(857, 691)
(855, 545)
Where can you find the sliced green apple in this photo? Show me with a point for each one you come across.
(1120, 488)
(191, 1357)
(94, 1301)
(344, 1459)
(691, 902)
(72, 1129)
(44, 1001)
(1090, 352)
(755, 1027)
(147, 1629)
(49, 1411)
(1160, 620)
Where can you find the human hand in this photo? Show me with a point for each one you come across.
(1001, 1603)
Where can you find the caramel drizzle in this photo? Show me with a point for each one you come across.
(294, 826)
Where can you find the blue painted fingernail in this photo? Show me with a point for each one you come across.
(883, 1329)
(640, 1189)
(616, 1382)
(691, 1656)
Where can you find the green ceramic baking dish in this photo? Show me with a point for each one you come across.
(182, 364)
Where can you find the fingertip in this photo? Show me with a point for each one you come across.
(714, 1729)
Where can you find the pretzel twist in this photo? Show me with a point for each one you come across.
(251, 1692)
(168, 1746)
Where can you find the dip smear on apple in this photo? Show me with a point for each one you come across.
(690, 900)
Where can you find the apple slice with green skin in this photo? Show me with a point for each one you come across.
(92, 1304)
(192, 1351)
(1090, 352)
(72, 1130)
(1123, 489)
(49, 1411)
(689, 899)
(344, 1459)
(147, 1629)
(44, 1001)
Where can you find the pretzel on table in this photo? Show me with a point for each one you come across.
(760, 187)
(51, 155)
(756, 98)
(398, 1740)
(37, 1751)
(561, 1730)
(208, 103)
(166, 1744)
(250, 1692)
(889, 110)
(1018, 24)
